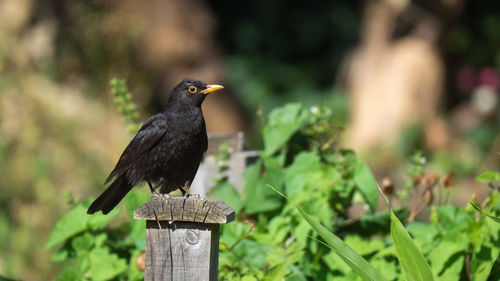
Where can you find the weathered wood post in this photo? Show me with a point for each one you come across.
(182, 237)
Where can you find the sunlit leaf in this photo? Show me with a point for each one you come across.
(366, 184)
(283, 123)
(76, 221)
(410, 258)
(488, 176)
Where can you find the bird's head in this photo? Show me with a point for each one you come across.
(192, 92)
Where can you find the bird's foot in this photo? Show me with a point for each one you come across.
(161, 195)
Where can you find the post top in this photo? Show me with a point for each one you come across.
(184, 209)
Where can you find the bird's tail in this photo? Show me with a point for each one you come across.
(111, 196)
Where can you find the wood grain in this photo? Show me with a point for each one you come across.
(182, 237)
(185, 210)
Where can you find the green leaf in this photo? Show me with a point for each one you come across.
(411, 259)
(479, 209)
(488, 176)
(358, 264)
(354, 260)
(366, 184)
(362, 246)
(76, 221)
(259, 198)
(227, 193)
(296, 175)
(452, 243)
(283, 123)
(482, 262)
(104, 265)
(236, 231)
(68, 275)
(61, 255)
(252, 252)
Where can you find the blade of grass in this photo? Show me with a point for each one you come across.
(410, 258)
(358, 264)
(481, 210)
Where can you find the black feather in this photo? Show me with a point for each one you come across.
(166, 151)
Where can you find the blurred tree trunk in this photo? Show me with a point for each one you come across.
(394, 83)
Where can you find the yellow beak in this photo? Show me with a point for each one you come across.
(211, 88)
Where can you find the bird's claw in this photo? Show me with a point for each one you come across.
(161, 195)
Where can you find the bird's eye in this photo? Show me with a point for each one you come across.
(192, 89)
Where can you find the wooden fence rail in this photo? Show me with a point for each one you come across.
(182, 237)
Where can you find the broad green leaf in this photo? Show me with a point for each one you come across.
(259, 198)
(451, 244)
(362, 246)
(105, 265)
(453, 268)
(366, 184)
(61, 255)
(296, 174)
(283, 123)
(76, 221)
(68, 275)
(227, 193)
(280, 258)
(390, 269)
(479, 209)
(414, 265)
(252, 252)
(274, 232)
(452, 217)
(276, 273)
(234, 232)
(482, 262)
(488, 176)
(424, 234)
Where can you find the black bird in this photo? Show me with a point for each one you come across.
(167, 150)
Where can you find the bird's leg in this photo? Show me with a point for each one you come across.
(185, 189)
(153, 190)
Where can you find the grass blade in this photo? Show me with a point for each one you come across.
(481, 210)
(358, 264)
(410, 258)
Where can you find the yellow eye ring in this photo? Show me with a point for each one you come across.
(192, 89)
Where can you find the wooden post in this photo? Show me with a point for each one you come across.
(182, 237)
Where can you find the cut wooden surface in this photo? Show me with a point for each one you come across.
(184, 209)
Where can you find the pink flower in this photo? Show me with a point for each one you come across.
(489, 77)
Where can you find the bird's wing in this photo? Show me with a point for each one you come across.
(147, 137)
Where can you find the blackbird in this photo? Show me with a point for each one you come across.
(167, 150)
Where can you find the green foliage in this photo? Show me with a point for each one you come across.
(488, 176)
(100, 253)
(325, 181)
(298, 159)
(271, 239)
(125, 105)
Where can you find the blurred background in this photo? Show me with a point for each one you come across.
(398, 75)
